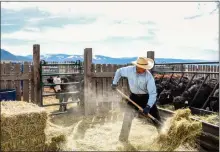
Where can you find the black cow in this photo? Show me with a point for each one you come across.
(186, 99)
(213, 102)
(171, 90)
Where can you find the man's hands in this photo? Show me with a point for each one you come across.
(114, 86)
(146, 110)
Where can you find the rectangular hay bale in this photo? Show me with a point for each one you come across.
(22, 126)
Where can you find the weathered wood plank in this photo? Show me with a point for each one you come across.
(200, 69)
(212, 69)
(18, 82)
(32, 84)
(2, 72)
(99, 85)
(103, 75)
(105, 85)
(15, 77)
(9, 83)
(93, 86)
(26, 83)
(208, 70)
(204, 69)
(111, 94)
(37, 87)
(194, 69)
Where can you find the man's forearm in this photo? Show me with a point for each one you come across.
(116, 77)
(152, 99)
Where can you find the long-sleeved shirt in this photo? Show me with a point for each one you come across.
(139, 83)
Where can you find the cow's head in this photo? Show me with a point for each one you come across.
(212, 83)
(55, 80)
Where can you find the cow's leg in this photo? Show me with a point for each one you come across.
(61, 101)
(66, 97)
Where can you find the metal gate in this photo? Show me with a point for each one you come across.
(73, 69)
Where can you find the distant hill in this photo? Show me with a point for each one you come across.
(98, 59)
(5, 55)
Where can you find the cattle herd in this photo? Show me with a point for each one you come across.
(183, 92)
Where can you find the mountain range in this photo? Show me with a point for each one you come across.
(98, 59)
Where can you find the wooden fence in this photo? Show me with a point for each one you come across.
(97, 79)
(20, 77)
(24, 77)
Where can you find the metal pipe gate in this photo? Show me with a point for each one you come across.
(77, 65)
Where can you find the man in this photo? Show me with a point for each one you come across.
(143, 91)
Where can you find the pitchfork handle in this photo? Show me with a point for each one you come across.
(149, 115)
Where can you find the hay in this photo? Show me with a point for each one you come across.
(101, 132)
(179, 129)
(212, 118)
(73, 131)
(26, 126)
(167, 106)
(22, 126)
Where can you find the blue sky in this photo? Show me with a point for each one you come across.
(187, 30)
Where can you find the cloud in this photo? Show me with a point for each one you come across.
(171, 29)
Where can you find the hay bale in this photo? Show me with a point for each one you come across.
(22, 126)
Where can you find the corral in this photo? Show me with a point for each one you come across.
(96, 98)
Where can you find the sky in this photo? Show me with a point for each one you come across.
(184, 30)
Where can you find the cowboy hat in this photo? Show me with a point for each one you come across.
(144, 63)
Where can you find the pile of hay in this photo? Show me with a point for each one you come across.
(179, 129)
(22, 126)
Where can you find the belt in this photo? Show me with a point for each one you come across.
(140, 95)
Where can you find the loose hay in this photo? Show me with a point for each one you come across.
(179, 129)
(212, 118)
(100, 133)
(22, 126)
(168, 106)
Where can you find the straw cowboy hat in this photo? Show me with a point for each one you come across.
(144, 63)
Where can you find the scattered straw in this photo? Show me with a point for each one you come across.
(101, 132)
(167, 106)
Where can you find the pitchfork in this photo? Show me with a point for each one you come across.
(149, 115)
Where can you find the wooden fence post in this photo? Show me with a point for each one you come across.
(36, 62)
(88, 104)
(150, 54)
